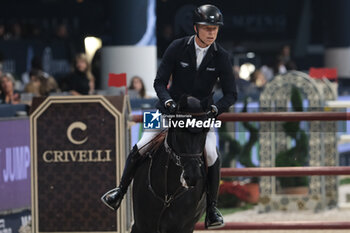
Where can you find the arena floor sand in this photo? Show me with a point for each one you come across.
(341, 215)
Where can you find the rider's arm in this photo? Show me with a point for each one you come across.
(165, 69)
(228, 85)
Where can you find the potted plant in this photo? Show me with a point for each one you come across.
(242, 153)
(297, 155)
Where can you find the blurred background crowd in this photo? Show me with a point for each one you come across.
(45, 45)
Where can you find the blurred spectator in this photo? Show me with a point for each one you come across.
(81, 80)
(16, 31)
(34, 31)
(279, 66)
(62, 37)
(7, 89)
(285, 56)
(241, 83)
(61, 32)
(257, 83)
(0, 68)
(2, 31)
(40, 84)
(137, 88)
(51, 85)
(34, 85)
(267, 72)
(258, 79)
(36, 64)
(283, 61)
(96, 68)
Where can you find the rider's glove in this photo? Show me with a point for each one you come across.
(213, 112)
(170, 105)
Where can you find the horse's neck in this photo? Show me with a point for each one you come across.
(165, 174)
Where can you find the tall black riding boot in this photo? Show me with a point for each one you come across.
(213, 217)
(114, 197)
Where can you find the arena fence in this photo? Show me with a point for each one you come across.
(282, 171)
(292, 225)
(284, 225)
(277, 116)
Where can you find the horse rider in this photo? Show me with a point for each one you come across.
(195, 64)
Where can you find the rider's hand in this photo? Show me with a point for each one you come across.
(171, 106)
(213, 112)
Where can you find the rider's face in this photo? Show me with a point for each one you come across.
(207, 33)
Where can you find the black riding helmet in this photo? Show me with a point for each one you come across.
(208, 15)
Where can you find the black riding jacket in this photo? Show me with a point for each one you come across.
(179, 60)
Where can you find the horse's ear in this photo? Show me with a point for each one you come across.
(207, 102)
(183, 101)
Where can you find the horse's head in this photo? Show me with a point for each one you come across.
(187, 143)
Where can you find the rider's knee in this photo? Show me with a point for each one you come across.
(212, 155)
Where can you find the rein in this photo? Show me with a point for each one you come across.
(168, 199)
(177, 160)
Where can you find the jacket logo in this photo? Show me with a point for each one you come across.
(210, 69)
(184, 64)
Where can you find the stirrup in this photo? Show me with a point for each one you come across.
(218, 217)
(215, 226)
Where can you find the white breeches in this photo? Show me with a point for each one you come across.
(210, 143)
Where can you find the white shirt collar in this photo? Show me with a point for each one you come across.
(200, 48)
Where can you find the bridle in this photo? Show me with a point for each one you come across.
(176, 157)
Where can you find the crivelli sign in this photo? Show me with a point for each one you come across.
(14, 164)
(77, 154)
(88, 155)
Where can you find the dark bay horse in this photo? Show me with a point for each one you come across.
(169, 187)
